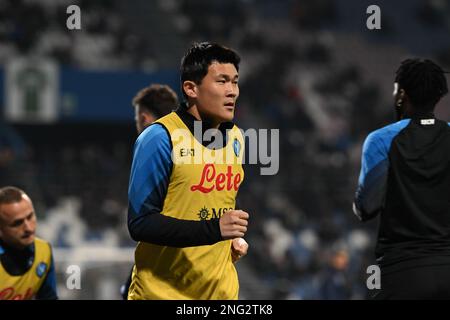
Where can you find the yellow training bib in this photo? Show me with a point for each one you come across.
(203, 184)
(24, 287)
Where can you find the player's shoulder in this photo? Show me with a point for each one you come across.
(238, 132)
(235, 126)
(39, 242)
(382, 138)
(154, 131)
(170, 121)
(443, 123)
(389, 130)
(167, 117)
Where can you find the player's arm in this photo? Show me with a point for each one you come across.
(371, 191)
(149, 180)
(48, 289)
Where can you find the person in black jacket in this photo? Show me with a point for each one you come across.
(405, 179)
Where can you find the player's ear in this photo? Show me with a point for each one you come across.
(146, 118)
(404, 96)
(190, 88)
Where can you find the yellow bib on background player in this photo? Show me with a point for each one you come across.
(24, 287)
(203, 185)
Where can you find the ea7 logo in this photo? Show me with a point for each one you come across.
(374, 280)
(187, 152)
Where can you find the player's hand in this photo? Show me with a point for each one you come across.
(233, 224)
(239, 248)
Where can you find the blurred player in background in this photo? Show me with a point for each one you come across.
(27, 270)
(405, 177)
(182, 212)
(150, 103)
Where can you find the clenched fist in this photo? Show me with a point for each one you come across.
(239, 248)
(233, 224)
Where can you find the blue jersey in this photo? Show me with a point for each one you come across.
(405, 178)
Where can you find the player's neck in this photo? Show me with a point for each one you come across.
(193, 110)
(14, 249)
(413, 113)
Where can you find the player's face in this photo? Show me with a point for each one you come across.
(216, 95)
(143, 119)
(399, 104)
(18, 223)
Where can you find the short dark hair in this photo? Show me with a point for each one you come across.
(423, 81)
(158, 99)
(10, 194)
(196, 61)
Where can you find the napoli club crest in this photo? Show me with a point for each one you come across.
(40, 269)
(236, 147)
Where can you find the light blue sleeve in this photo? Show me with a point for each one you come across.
(372, 182)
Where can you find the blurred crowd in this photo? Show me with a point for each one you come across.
(305, 242)
(39, 28)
